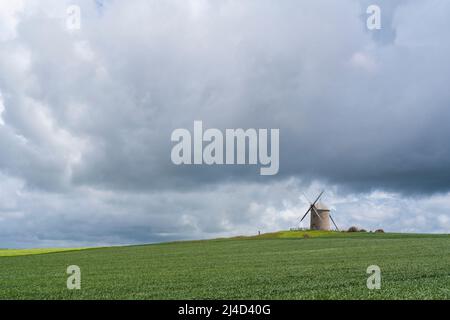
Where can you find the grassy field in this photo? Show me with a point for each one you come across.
(282, 265)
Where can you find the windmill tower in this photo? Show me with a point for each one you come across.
(320, 215)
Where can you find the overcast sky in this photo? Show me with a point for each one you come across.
(86, 117)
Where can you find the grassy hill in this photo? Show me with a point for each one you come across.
(282, 265)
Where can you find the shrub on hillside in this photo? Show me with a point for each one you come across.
(353, 229)
(379, 230)
(362, 230)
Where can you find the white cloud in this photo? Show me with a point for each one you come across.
(8, 18)
(364, 61)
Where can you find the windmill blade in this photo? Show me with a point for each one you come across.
(317, 199)
(312, 206)
(315, 211)
(334, 223)
(306, 213)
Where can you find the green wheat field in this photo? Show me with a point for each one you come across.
(282, 265)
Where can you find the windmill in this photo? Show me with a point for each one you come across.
(320, 215)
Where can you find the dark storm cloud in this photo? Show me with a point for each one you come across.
(351, 111)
